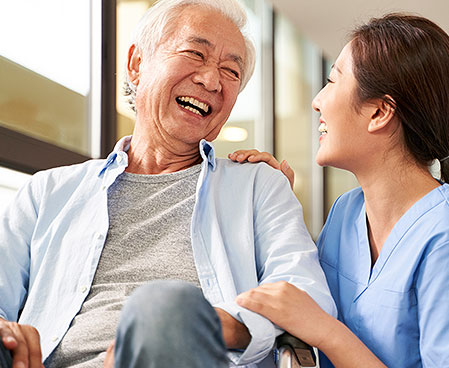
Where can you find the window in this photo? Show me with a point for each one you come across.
(297, 79)
(50, 65)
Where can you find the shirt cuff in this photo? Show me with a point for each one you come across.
(263, 334)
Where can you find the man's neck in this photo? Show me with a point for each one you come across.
(148, 157)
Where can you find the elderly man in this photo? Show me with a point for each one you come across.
(78, 240)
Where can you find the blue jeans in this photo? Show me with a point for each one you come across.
(166, 324)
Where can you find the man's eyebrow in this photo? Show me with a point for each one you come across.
(204, 41)
(201, 41)
(238, 59)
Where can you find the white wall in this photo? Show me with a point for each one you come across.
(327, 22)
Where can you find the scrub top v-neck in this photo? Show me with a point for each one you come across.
(399, 307)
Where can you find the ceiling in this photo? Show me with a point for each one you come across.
(327, 22)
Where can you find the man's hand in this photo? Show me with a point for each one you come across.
(235, 333)
(24, 343)
(109, 359)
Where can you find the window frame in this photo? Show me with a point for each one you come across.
(27, 154)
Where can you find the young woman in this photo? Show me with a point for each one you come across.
(385, 246)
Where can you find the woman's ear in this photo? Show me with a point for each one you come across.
(382, 115)
(133, 66)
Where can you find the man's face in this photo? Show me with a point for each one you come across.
(187, 88)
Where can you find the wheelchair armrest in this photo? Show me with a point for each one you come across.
(303, 352)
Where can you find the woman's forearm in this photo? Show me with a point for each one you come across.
(296, 312)
(345, 350)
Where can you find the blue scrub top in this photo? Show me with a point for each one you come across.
(399, 308)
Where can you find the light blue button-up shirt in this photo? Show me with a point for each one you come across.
(247, 228)
(400, 307)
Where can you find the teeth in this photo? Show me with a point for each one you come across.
(192, 101)
(322, 129)
(192, 109)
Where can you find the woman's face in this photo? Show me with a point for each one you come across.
(343, 129)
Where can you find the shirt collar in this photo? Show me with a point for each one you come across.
(122, 146)
(208, 153)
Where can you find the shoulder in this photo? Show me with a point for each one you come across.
(432, 214)
(345, 212)
(259, 170)
(65, 174)
(348, 204)
(255, 180)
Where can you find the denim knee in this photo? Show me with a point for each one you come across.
(158, 301)
(169, 323)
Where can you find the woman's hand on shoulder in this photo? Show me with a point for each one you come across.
(256, 156)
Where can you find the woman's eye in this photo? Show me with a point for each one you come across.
(329, 80)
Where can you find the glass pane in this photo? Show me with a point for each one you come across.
(44, 70)
(293, 60)
(128, 15)
(238, 133)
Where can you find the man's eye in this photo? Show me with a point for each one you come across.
(232, 72)
(329, 80)
(196, 53)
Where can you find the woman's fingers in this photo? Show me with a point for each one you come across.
(291, 309)
(243, 155)
(288, 172)
(256, 156)
(266, 300)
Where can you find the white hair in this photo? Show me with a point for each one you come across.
(154, 23)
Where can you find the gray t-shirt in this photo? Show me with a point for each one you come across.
(148, 239)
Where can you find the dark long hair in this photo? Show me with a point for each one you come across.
(406, 57)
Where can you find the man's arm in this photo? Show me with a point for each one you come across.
(17, 223)
(235, 333)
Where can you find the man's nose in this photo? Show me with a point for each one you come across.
(209, 77)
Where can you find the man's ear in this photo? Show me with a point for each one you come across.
(133, 66)
(382, 115)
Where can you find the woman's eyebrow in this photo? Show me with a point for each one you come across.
(336, 68)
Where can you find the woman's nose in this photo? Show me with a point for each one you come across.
(316, 102)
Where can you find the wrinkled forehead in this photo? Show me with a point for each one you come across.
(207, 26)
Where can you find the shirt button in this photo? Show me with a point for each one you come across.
(103, 187)
(119, 158)
(99, 236)
(54, 338)
(83, 288)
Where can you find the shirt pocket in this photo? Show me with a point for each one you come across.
(393, 326)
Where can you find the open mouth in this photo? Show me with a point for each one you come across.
(322, 129)
(193, 105)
